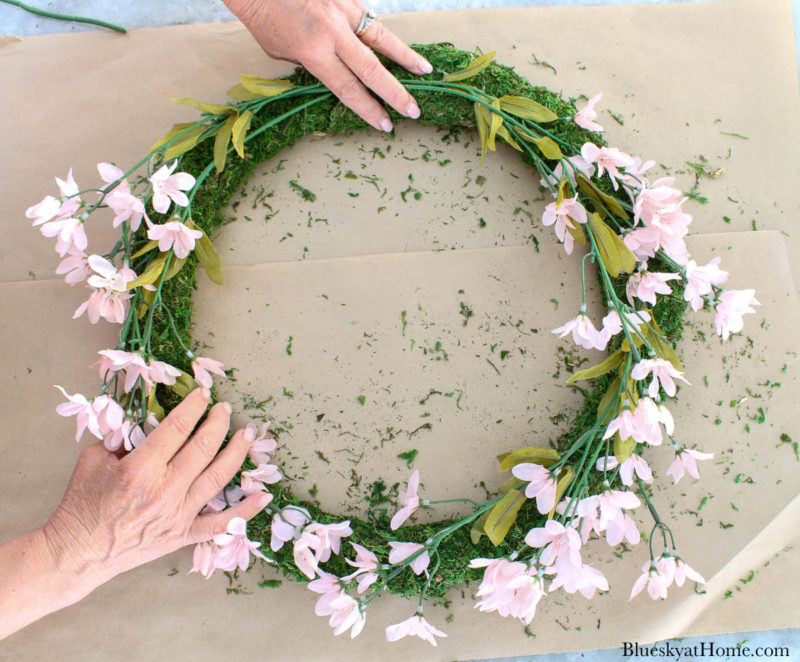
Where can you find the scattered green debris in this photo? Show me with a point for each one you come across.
(303, 192)
(409, 456)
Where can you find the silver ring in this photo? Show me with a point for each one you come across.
(367, 19)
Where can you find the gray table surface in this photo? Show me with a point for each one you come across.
(153, 13)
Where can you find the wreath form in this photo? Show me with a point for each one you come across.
(529, 537)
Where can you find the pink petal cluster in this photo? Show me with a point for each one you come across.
(203, 367)
(227, 551)
(731, 306)
(366, 563)
(658, 575)
(652, 200)
(262, 446)
(634, 463)
(608, 159)
(102, 416)
(174, 235)
(167, 186)
(573, 163)
(315, 544)
(634, 178)
(410, 501)
(643, 425)
(541, 485)
(612, 323)
(583, 332)
(663, 371)
(229, 496)
(134, 368)
(686, 462)
(701, 280)
(645, 286)
(125, 205)
(345, 613)
(587, 115)
(265, 473)
(563, 216)
(55, 217)
(109, 298)
(402, 550)
(510, 588)
(287, 525)
(75, 266)
(416, 626)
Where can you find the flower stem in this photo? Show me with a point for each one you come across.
(65, 17)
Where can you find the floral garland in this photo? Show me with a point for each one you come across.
(556, 498)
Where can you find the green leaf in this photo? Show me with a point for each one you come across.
(175, 265)
(495, 122)
(154, 406)
(503, 515)
(148, 296)
(627, 258)
(184, 385)
(239, 93)
(149, 246)
(600, 369)
(606, 246)
(149, 275)
(239, 130)
(527, 109)
(662, 349)
(607, 400)
(185, 143)
(221, 140)
(482, 121)
(589, 188)
(576, 230)
(202, 106)
(510, 483)
(208, 256)
(174, 131)
(623, 448)
(472, 69)
(477, 532)
(534, 454)
(548, 147)
(264, 87)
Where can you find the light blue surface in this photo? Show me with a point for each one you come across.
(151, 13)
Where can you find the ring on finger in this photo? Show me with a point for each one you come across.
(367, 19)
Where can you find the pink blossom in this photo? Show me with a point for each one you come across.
(410, 502)
(82, 409)
(304, 557)
(109, 414)
(510, 588)
(583, 332)
(262, 447)
(106, 304)
(287, 525)
(583, 578)
(622, 527)
(175, 235)
(684, 572)
(228, 497)
(139, 432)
(663, 372)
(50, 208)
(633, 463)
(612, 323)
(70, 233)
(106, 275)
(416, 626)
(584, 513)
(203, 559)
(365, 563)
(45, 210)
(634, 175)
(654, 199)
(167, 186)
(558, 541)
(607, 159)
(234, 547)
(643, 424)
(643, 242)
(587, 115)
(731, 306)
(613, 502)
(573, 163)
(700, 281)
(329, 537)
(402, 550)
(202, 368)
(686, 462)
(344, 611)
(163, 373)
(257, 479)
(646, 285)
(131, 363)
(659, 574)
(541, 485)
(125, 205)
(75, 265)
(563, 215)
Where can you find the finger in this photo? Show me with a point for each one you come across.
(175, 429)
(196, 454)
(206, 527)
(219, 473)
(364, 64)
(332, 73)
(386, 42)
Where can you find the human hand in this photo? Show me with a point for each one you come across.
(119, 513)
(319, 34)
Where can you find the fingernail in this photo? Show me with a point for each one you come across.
(206, 393)
(425, 66)
(386, 125)
(227, 407)
(250, 432)
(412, 111)
(265, 500)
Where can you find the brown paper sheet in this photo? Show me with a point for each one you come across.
(147, 613)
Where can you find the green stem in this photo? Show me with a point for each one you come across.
(65, 17)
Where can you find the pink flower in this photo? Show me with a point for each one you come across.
(50, 208)
(573, 163)
(583, 332)
(262, 447)
(587, 115)
(634, 175)
(344, 612)
(646, 285)
(228, 497)
(643, 242)
(633, 463)
(109, 414)
(45, 210)
(257, 479)
(410, 502)
(653, 200)
(643, 424)
(558, 541)
(584, 515)
(583, 578)
(75, 266)
(366, 563)
(612, 323)
(731, 306)
(175, 235)
(541, 485)
(163, 373)
(82, 409)
(131, 363)
(329, 538)
(70, 234)
(139, 433)
(167, 186)
(686, 462)
(657, 575)
(622, 527)
(684, 572)
(125, 205)
(203, 559)
(416, 626)
(662, 371)
(304, 558)
(508, 587)
(234, 547)
(106, 304)
(700, 281)
(402, 550)
(202, 367)
(607, 159)
(286, 525)
(106, 275)
(613, 502)
(562, 215)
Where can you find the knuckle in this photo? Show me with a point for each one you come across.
(180, 425)
(378, 35)
(372, 72)
(349, 91)
(217, 476)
